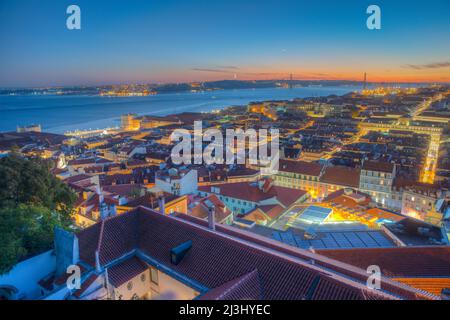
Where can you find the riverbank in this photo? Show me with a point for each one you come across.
(58, 114)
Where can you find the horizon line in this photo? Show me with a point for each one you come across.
(210, 81)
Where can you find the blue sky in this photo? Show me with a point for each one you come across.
(170, 41)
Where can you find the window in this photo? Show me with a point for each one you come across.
(130, 286)
(154, 276)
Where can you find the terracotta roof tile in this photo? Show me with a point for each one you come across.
(343, 176)
(246, 287)
(221, 211)
(273, 211)
(126, 270)
(214, 258)
(88, 240)
(248, 192)
(353, 272)
(85, 285)
(77, 178)
(378, 166)
(398, 262)
(301, 167)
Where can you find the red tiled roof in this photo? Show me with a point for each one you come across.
(384, 214)
(398, 262)
(150, 200)
(85, 285)
(273, 211)
(117, 237)
(300, 167)
(77, 178)
(343, 176)
(424, 188)
(88, 240)
(88, 161)
(329, 288)
(248, 192)
(221, 211)
(214, 258)
(246, 287)
(319, 260)
(354, 196)
(378, 166)
(126, 270)
(356, 200)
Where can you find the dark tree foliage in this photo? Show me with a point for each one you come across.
(32, 203)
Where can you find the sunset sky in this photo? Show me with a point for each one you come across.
(177, 41)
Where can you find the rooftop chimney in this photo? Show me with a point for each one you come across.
(211, 218)
(101, 198)
(66, 250)
(162, 205)
(98, 267)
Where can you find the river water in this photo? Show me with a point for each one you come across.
(59, 114)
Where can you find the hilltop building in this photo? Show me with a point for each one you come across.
(30, 128)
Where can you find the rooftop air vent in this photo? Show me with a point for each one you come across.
(177, 254)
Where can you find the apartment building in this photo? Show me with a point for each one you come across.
(377, 180)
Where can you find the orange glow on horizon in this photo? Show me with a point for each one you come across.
(373, 75)
(282, 72)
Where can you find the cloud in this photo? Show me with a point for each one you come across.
(434, 65)
(273, 75)
(211, 70)
(228, 67)
(217, 69)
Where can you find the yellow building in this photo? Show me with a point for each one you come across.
(130, 122)
(172, 203)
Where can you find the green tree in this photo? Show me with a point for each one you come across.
(30, 181)
(25, 231)
(32, 203)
